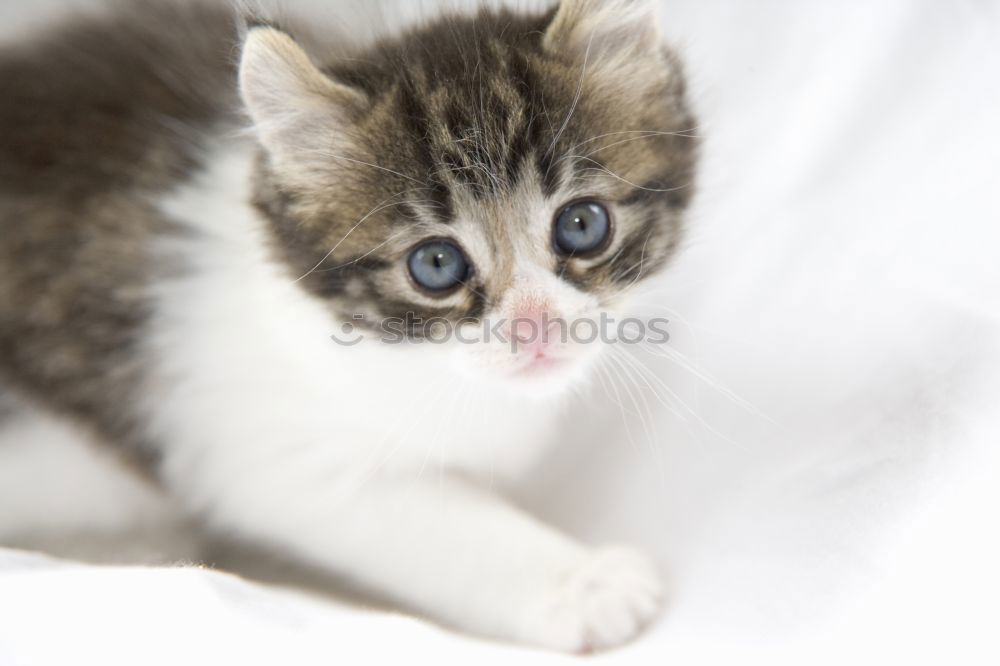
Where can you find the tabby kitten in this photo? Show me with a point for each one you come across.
(169, 282)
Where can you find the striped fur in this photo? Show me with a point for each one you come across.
(458, 122)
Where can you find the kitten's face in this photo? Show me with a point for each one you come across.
(501, 172)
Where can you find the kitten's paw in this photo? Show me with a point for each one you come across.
(606, 601)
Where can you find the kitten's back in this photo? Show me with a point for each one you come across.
(112, 101)
(98, 117)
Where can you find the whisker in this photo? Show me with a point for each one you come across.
(686, 364)
(617, 143)
(388, 240)
(362, 162)
(642, 260)
(450, 412)
(381, 206)
(602, 169)
(399, 435)
(621, 405)
(663, 385)
(682, 133)
(576, 101)
(645, 416)
(668, 400)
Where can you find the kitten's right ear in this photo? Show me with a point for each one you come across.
(294, 106)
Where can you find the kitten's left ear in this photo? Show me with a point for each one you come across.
(294, 106)
(604, 29)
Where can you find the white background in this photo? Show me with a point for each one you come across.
(829, 493)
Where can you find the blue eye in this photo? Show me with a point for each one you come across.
(438, 265)
(581, 228)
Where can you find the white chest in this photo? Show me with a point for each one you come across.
(244, 372)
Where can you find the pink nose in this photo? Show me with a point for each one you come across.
(533, 330)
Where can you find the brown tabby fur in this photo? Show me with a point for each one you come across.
(100, 117)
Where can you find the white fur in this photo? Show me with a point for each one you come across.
(238, 328)
(372, 460)
(54, 480)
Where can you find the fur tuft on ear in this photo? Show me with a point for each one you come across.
(294, 106)
(603, 29)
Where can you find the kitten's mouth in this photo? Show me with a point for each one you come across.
(541, 366)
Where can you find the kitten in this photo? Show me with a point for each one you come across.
(171, 284)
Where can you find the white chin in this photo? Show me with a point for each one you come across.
(545, 378)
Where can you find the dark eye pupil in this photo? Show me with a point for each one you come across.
(582, 227)
(438, 265)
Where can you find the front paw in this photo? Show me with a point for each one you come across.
(604, 601)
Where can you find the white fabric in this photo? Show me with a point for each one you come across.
(842, 283)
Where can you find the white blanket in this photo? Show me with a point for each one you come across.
(827, 491)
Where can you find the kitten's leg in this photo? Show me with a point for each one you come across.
(463, 556)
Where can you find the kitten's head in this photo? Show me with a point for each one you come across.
(500, 168)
